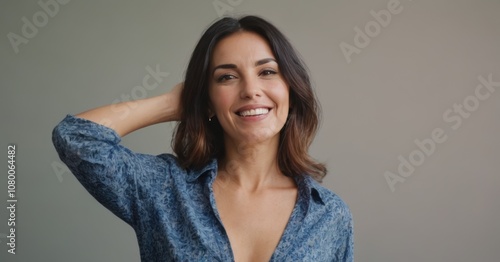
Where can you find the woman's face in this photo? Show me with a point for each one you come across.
(248, 94)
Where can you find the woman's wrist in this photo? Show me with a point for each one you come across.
(167, 108)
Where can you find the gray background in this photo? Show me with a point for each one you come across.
(396, 90)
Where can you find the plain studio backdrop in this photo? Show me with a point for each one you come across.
(410, 97)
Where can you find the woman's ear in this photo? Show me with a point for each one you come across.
(210, 112)
(210, 115)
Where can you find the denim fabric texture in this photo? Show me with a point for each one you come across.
(173, 210)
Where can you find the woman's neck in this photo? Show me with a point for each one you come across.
(251, 166)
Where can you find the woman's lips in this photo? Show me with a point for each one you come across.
(254, 112)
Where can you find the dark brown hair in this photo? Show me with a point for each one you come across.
(196, 140)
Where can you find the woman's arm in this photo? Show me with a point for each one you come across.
(90, 146)
(126, 117)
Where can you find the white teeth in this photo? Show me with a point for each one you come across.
(254, 112)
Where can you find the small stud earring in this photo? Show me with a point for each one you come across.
(209, 119)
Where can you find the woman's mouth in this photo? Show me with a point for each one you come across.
(253, 112)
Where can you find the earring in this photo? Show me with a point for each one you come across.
(209, 119)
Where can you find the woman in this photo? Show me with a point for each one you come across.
(241, 186)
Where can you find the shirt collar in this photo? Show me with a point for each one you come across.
(307, 186)
(194, 174)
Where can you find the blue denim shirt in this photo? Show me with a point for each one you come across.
(173, 210)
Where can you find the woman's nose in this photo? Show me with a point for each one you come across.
(250, 88)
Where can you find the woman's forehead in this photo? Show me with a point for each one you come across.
(241, 48)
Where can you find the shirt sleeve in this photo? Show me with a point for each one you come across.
(107, 170)
(346, 250)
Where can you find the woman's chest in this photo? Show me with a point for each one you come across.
(255, 224)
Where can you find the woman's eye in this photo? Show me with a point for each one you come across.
(268, 72)
(225, 78)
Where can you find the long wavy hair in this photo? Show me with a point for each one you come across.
(196, 140)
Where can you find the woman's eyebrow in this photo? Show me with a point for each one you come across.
(265, 61)
(258, 63)
(223, 66)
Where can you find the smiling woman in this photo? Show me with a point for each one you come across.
(241, 185)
